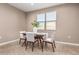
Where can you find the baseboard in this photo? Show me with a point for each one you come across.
(74, 44)
(8, 42)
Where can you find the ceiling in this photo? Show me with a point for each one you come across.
(26, 7)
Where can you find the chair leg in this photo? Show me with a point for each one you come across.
(42, 46)
(45, 44)
(38, 42)
(22, 44)
(25, 42)
(53, 47)
(26, 45)
(32, 47)
(19, 41)
(54, 44)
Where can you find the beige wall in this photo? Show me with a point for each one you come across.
(67, 21)
(12, 21)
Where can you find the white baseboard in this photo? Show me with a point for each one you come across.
(4, 43)
(74, 44)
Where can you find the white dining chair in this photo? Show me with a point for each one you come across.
(49, 40)
(30, 39)
(22, 37)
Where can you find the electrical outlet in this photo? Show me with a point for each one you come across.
(69, 37)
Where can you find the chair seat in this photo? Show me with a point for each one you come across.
(49, 40)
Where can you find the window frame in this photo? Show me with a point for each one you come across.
(45, 27)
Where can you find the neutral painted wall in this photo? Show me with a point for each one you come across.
(67, 21)
(12, 21)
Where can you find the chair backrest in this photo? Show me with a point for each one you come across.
(53, 36)
(46, 36)
(22, 34)
(30, 36)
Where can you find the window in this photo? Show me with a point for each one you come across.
(47, 21)
(41, 20)
(51, 20)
